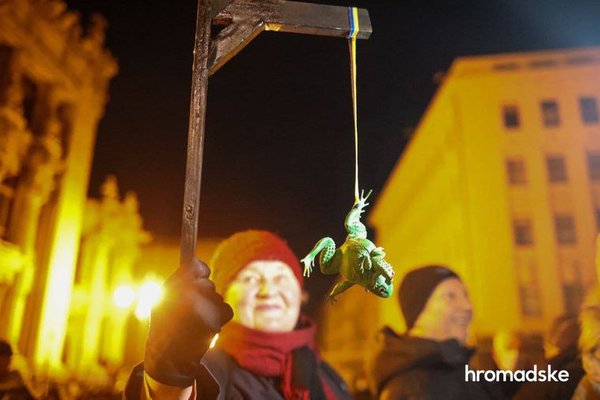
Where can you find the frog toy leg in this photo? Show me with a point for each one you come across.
(377, 253)
(364, 263)
(326, 247)
(353, 225)
(339, 288)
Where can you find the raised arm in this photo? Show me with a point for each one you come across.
(182, 326)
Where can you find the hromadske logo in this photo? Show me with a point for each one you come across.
(547, 374)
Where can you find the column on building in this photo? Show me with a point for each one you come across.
(43, 163)
(111, 241)
(15, 139)
(125, 254)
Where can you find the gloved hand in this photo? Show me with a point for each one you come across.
(183, 324)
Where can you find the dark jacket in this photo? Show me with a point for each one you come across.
(12, 387)
(224, 379)
(586, 390)
(411, 368)
(568, 361)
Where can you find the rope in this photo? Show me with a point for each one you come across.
(354, 29)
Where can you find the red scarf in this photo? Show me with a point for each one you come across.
(270, 354)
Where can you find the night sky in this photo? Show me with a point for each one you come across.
(279, 137)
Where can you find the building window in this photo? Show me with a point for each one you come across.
(594, 166)
(557, 168)
(589, 110)
(511, 116)
(573, 294)
(550, 114)
(565, 229)
(515, 170)
(523, 231)
(530, 301)
(529, 292)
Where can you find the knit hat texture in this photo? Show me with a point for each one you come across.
(242, 248)
(5, 349)
(416, 288)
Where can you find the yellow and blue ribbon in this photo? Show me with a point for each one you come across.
(352, 33)
(354, 26)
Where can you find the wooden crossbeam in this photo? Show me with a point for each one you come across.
(243, 20)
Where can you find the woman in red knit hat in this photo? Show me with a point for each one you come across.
(267, 350)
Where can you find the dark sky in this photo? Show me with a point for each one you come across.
(279, 139)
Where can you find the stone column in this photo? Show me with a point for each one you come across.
(125, 254)
(14, 142)
(96, 253)
(37, 181)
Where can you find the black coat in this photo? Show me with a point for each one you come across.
(411, 368)
(569, 361)
(12, 387)
(224, 379)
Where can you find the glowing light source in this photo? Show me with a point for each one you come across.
(214, 341)
(149, 293)
(123, 296)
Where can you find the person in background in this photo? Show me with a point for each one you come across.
(267, 351)
(589, 347)
(428, 361)
(560, 346)
(12, 386)
(508, 355)
(561, 352)
(508, 351)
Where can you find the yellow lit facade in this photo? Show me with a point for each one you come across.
(53, 86)
(501, 182)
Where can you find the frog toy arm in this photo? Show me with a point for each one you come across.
(328, 260)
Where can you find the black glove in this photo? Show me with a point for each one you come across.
(182, 326)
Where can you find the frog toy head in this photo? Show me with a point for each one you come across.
(381, 286)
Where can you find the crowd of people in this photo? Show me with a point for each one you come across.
(266, 348)
(17, 386)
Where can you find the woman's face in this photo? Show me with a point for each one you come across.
(265, 295)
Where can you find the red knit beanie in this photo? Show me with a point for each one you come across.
(240, 249)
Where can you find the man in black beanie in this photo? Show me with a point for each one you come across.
(428, 361)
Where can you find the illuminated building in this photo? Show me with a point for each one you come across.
(53, 88)
(501, 182)
(75, 291)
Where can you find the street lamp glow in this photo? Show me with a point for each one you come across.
(123, 296)
(149, 293)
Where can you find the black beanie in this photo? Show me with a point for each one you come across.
(416, 288)
(5, 349)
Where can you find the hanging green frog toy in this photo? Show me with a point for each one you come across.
(357, 260)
